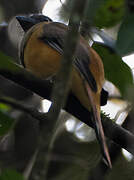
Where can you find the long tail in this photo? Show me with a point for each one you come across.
(98, 127)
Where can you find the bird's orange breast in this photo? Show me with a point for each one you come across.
(45, 61)
(40, 58)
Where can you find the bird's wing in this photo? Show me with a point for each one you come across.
(54, 35)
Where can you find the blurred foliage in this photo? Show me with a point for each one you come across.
(122, 169)
(116, 71)
(125, 39)
(6, 122)
(14, 7)
(71, 158)
(91, 10)
(6, 62)
(75, 160)
(109, 13)
(10, 175)
(4, 107)
(1, 14)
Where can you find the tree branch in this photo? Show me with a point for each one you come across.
(60, 89)
(27, 109)
(73, 106)
(88, 16)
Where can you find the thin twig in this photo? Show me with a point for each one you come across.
(88, 16)
(64, 6)
(30, 110)
(61, 86)
(30, 165)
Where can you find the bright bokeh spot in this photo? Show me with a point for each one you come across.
(46, 105)
(70, 125)
(97, 38)
(112, 109)
(51, 9)
(129, 60)
(84, 133)
(128, 156)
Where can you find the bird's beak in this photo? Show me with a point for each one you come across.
(25, 22)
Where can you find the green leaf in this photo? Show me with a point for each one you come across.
(116, 70)
(6, 123)
(103, 13)
(4, 107)
(125, 39)
(6, 63)
(92, 7)
(11, 175)
(110, 13)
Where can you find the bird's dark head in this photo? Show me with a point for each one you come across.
(28, 21)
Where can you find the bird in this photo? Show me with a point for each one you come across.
(41, 53)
